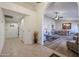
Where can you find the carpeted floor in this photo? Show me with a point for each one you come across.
(59, 45)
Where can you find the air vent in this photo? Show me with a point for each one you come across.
(38, 2)
(8, 16)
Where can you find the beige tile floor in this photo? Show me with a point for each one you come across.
(15, 48)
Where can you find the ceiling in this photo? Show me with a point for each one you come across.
(16, 17)
(29, 5)
(69, 10)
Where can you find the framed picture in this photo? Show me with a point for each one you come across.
(66, 25)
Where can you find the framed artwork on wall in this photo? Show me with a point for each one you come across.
(66, 26)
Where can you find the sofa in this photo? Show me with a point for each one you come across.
(62, 32)
(74, 45)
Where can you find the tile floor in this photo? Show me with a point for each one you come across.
(16, 48)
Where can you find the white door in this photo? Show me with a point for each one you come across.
(11, 30)
(2, 29)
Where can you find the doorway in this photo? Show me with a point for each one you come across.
(12, 22)
(13, 26)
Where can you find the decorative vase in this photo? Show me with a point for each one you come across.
(35, 37)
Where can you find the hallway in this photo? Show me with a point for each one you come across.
(15, 48)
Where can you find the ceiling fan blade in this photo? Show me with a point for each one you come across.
(53, 18)
(57, 17)
(61, 17)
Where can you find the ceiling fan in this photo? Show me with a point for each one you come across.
(57, 17)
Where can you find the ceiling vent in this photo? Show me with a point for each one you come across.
(8, 16)
(38, 2)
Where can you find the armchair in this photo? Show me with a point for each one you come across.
(74, 45)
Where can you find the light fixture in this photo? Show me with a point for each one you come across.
(57, 17)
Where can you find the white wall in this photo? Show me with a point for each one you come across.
(2, 32)
(74, 27)
(11, 32)
(30, 26)
(40, 17)
(48, 22)
(27, 27)
(47, 25)
(21, 30)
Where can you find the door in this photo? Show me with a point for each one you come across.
(11, 30)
